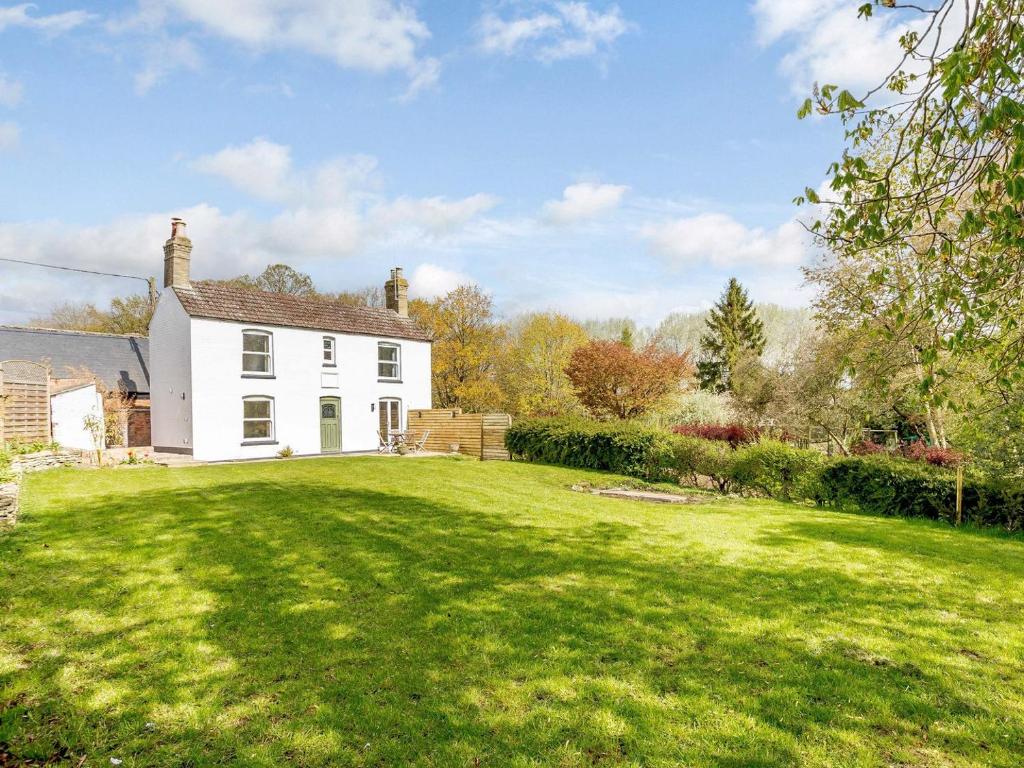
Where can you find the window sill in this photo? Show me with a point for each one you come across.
(259, 442)
(330, 365)
(389, 381)
(258, 376)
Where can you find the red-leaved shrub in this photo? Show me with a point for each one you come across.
(939, 457)
(733, 434)
(867, 448)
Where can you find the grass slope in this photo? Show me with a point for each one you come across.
(438, 612)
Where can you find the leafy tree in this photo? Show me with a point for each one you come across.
(277, 278)
(930, 190)
(613, 329)
(370, 296)
(129, 315)
(532, 371)
(612, 380)
(733, 329)
(467, 346)
(784, 328)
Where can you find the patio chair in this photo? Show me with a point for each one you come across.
(385, 446)
(419, 444)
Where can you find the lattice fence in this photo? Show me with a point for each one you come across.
(24, 401)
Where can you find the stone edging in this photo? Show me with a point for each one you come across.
(9, 493)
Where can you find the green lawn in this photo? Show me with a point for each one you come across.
(442, 612)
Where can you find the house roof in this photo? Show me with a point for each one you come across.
(119, 362)
(216, 301)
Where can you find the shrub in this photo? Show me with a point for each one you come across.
(778, 470)
(867, 448)
(939, 457)
(733, 434)
(886, 485)
(623, 447)
(5, 466)
(694, 458)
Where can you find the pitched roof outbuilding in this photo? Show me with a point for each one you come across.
(216, 301)
(120, 362)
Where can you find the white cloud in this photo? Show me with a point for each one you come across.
(369, 35)
(828, 43)
(434, 216)
(720, 240)
(429, 281)
(333, 210)
(10, 135)
(164, 56)
(583, 201)
(53, 24)
(565, 30)
(10, 91)
(260, 168)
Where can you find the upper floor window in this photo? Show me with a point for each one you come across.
(329, 350)
(389, 361)
(257, 352)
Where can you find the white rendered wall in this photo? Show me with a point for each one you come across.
(68, 411)
(299, 381)
(170, 375)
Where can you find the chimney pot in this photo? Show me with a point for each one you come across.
(177, 256)
(396, 293)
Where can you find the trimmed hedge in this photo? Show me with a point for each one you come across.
(768, 467)
(622, 447)
(779, 470)
(889, 486)
(876, 484)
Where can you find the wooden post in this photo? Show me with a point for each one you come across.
(959, 493)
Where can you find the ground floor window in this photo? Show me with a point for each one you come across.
(390, 412)
(257, 418)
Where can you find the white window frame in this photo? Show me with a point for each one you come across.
(393, 428)
(397, 362)
(272, 437)
(269, 354)
(329, 352)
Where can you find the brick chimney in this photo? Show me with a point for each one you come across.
(177, 252)
(396, 293)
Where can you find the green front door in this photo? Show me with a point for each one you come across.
(330, 424)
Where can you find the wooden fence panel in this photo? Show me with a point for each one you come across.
(478, 434)
(24, 401)
(493, 428)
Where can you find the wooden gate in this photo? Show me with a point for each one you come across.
(24, 402)
(478, 434)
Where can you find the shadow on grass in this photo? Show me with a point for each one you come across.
(297, 622)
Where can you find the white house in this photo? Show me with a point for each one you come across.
(239, 373)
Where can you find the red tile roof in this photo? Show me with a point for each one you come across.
(217, 301)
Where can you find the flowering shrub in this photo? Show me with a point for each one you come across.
(733, 434)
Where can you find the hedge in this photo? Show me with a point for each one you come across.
(876, 484)
(770, 468)
(622, 447)
(890, 486)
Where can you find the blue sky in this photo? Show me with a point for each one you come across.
(594, 157)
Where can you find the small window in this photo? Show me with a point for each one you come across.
(329, 350)
(256, 353)
(257, 418)
(389, 364)
(390, 413)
